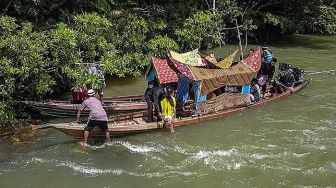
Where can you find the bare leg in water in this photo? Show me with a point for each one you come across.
(86, 136)
(108, 138)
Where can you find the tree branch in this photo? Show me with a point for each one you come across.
(6, 8)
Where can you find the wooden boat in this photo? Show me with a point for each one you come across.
(121, 125)
(112, 105)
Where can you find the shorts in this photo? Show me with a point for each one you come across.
(93, 123)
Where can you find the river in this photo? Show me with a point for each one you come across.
(289, 143)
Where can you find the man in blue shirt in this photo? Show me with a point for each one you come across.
(267, 55)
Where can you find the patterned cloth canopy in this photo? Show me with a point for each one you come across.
(182, 68)
(254, 60)
(209, 58)
(192, 58)
(164, 73)
(227, 62)
(212, 79)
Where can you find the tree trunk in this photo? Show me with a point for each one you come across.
(240, 43)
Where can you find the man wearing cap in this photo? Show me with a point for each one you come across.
(267, 55)
(97, 116)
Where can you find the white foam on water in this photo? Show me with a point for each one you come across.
(235, 166)
(156, 158)
(290, 130)
(137, 148)
(221, 153)
(90, 170)
(170, 173)
(279, 121)
(330, 122)
(220, 159)
(299, 155)
(260, 156)
(40, 160)
(180, 150)
(272, 146)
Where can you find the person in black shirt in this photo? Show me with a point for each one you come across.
(153, 96)
(265, 74)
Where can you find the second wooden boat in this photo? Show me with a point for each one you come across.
(112, 105)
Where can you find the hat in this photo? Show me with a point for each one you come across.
(91, 92)
(151, 82)
(264, 48)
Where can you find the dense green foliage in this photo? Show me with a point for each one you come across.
(47, 46)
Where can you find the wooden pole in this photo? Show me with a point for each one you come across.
(245, 41)
(240, 43)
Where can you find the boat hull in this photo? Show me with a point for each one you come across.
(111, 105)
(135, 123)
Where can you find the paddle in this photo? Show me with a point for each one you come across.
(43, 126)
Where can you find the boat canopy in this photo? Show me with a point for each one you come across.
(211, 79)
(254, 60)
(181, 68)
(209, 58)
(192, 58)
(164, 73)
(167, 70)
(227, 62)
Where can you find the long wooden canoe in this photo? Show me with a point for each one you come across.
(112, 105)
(121, 125)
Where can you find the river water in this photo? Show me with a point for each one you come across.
(288, 143)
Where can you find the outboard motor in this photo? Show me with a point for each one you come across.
(289, 75)
(298, 74)
(284, 66)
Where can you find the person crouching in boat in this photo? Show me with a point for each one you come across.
(97, 116)
(265, 74)
(168, 105)
(255, 91)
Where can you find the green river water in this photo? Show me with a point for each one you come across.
(290, 143)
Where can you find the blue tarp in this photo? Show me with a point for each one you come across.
(151, 75)
(182, 90)
(197, 91)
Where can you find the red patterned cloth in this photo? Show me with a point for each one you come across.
(164, 73)
(254, 60)
(182, 68)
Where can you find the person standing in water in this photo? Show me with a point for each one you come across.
(97, 117)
